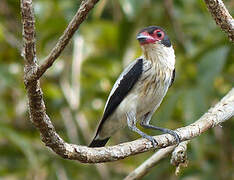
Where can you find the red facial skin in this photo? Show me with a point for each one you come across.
(157, 35)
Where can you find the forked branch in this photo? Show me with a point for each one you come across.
(80, 16)
(223, 110)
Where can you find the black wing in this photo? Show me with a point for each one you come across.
(125, 85)
(173, 78)
(98, 143)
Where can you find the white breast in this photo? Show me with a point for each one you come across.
(148, 93)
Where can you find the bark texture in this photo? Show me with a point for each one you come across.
(221, 16)
(215, 116)
(220, 113)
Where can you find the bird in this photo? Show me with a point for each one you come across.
(140, 89)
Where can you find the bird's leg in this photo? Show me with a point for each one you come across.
(131, 120)
(145, 123)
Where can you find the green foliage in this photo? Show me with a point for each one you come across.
(204, 73)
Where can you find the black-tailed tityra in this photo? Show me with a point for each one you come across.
(140, 88)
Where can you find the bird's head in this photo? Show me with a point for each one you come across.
(153, 35)
(156, 46)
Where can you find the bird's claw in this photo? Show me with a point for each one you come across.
(152, 140)
(176, 136)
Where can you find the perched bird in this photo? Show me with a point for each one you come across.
(140, 88)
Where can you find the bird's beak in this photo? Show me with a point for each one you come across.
(143, 38)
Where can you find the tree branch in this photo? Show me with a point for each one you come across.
(220, 113)
(29, 47)
(221, 16)
(178, 155)
(79, 17)
(146, 166)
(29, 40)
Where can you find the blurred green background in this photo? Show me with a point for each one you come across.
(77, 86)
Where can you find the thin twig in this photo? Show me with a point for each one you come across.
(221, 16)
(146, 166)
(79, 17)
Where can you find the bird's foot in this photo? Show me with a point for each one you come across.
(164, 130)
(175, 135)
(153, 141)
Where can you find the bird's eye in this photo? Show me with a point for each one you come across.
(159, 34)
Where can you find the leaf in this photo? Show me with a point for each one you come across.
(210, 66)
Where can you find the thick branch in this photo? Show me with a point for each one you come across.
(221, 16)
(29, 48)
(79, 17)
(220, 113)
(29, 40)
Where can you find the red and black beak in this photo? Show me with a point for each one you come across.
(145, 38)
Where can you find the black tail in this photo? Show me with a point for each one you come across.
(98, 143)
